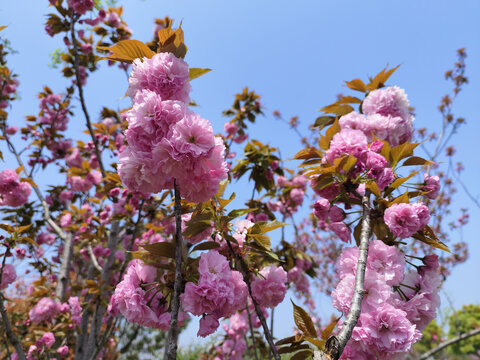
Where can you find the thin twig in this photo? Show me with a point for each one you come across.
(6, 321)
(251, 332)
(80, 93)
(449, 342)
(242, 266)
(172, 339)
(93, 258)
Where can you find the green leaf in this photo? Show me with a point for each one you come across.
(304, 321)
(165, 249)
(271, 225)
(399, 182)
(415, 160)
(323, 121)
(208, 245)
(196, 227)
(262, 240)
(239, 212)
(308, 153)
(194, 73)
(302, 355)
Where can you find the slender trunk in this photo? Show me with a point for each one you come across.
(172, 339)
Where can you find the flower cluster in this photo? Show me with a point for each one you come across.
(137, 299)
(8, 276)
(165, 139)
(81, 6)
(395, 308)
(220, 292)
(12, 192)
(404, 220)
(385, 115)
(270, 288)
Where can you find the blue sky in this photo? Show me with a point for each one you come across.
(296, 55)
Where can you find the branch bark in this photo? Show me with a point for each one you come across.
(336, 343)
(447, 343)
(172, 339)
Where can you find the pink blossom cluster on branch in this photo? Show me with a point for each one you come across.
(165, 139)
(13, 192)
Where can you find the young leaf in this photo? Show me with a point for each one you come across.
(357, 85)
(165, 249)
(197, 72)
(302, 355)
(415, 160)
(427, 235)
(127, 51)
(304, 321)
(208, 245)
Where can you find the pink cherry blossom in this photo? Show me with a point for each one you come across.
(45, 309)
(164, 74)
(8, 276)
(270, 288)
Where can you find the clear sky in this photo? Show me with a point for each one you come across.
(296, 55)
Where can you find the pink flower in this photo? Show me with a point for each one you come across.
(81, 6)
(269, 289)
(342, 231)
(377, 292)
(212, 263)
(75, 310)
(48, 339)
(386, 261)
(321, 208)
(151, 118)
(11, 130)
(136, 303)
(404, 220)
(347, 142)
(113, 19)
(329, 192)
(432, 186)
(45, 309)
(387, 330)
(8, 276)
(63, 350)
(164, 74)
(297, 195)
(230, 128)
(387, 101)
(208, 325)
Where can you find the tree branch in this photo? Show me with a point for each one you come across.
(449, 342)
(82, 97)
(337, 343)
(172, 339)
(6, 321)
(246, 277)
(61, 289)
